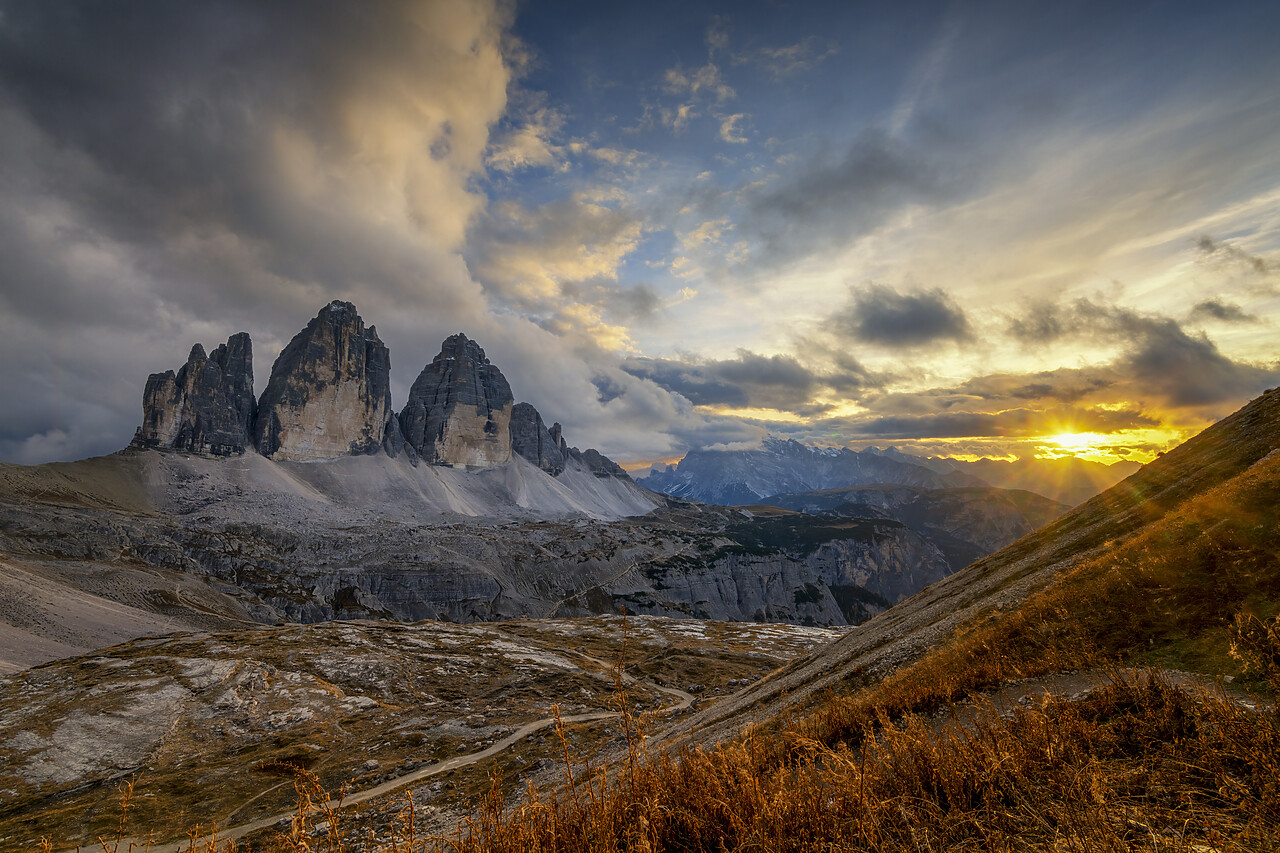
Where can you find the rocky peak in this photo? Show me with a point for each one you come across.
(459, 408)
(531, 439)
(329, 394)
(206, 407)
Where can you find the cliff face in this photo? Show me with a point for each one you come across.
(531, 439)
(459, 409)
(206, 407)
(329, 394)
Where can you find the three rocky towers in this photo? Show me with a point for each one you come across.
(329, 395)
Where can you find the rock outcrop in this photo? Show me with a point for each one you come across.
(206, 407)
(329, 394)
(597, 463)
(459, 409)
(531, 439)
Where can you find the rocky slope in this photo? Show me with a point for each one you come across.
(531, 439)
(734, 477)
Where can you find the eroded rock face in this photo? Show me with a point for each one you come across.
(597, 463)
(531, 439)
(206, 407)
(329, 394)
(459, 409)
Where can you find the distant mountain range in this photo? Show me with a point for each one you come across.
(781, 465)
(785, 466)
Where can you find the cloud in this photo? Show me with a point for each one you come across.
(751, 380)
(821, 203)
(1226, 253)
(729, 130)
(706, 81)
(1157, 359)
(789, 59)
(1226, 312)
(530, 143)
(880, 315)
(525, 256)
(1190, 370)
(1011, 423)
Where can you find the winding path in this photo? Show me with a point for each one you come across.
(684, 700)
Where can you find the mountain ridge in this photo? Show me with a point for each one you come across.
(329, 396)
(732, 477)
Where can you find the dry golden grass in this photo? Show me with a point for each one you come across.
(1139, 765)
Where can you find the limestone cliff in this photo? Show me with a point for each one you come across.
(531, 439)
(206, 407)
(329, 394)
(459, 409)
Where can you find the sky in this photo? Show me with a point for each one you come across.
(1001, 229)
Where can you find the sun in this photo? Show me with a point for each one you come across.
(1077, 443)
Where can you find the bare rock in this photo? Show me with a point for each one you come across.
(206, 407)
(329, 394)
(531, 439)
(459, 409)
(595, 461)
(393, 441)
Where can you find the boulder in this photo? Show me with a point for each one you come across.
(329, 394)
(206, 407)
(459, 409)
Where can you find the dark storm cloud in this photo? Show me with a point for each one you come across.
(693, 381)
(1226, 312)
(1158, 359)
(1191, 371)
(607, 388)
(824, 203)
(1010, 423)
(172, 172)
(1064, 385)
(880, 315)
(750, 380)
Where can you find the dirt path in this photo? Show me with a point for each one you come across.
(683, 701)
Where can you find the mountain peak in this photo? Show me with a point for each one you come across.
(329, 394)
(459, 408)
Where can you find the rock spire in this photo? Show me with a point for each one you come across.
(329, 394)
(207, 406)
(531, 439)
(459, 408)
